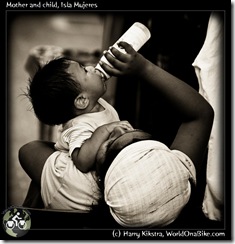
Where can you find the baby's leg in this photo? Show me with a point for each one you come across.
(32, 157)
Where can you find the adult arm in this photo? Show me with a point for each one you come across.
(196, 113)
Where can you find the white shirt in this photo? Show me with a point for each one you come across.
(82, 127)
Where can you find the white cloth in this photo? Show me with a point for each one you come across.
(74, 133)
(147, 184)
(63, 186)
(209, 70)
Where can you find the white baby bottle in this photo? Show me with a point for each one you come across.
(137, 35)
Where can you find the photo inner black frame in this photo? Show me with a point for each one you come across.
(173, 61)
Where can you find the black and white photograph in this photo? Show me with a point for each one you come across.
(154, 163)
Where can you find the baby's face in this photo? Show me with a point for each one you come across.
(89, 79)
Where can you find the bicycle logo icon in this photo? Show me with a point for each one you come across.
(16, 222)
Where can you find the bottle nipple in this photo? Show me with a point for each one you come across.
(104, 75)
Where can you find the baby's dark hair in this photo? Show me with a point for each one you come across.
(52, 91)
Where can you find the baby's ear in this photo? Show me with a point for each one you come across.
(81, 101)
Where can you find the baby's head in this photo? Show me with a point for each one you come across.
(52, 91)
(61, 89)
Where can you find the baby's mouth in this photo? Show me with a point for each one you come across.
(100, 74)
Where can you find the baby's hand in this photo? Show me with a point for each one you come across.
(119, 126)
(129, 62)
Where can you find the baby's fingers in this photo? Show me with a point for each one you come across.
(126, 125)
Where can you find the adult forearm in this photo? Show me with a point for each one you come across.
(182, 97)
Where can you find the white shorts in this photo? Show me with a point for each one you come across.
(63, 186)
(148, 185)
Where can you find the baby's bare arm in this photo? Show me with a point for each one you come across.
(84, 158)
